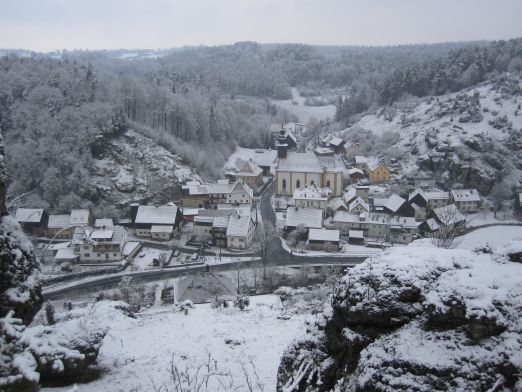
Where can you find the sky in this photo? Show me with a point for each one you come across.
(48, 25)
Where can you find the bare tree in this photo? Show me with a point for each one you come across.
(450, 220)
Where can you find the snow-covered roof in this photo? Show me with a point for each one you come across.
(336, 142)
(161, 228)
(58, 221)
(162, 215)
(360, 159)
(379, 202)
(240, 186)
(218, 188)
(374, 163)
(394, 202)
(221, 222)
(312, 192)
(432, 224)
(129, 247)
(436, 195)
(190, 211)
(350, 195)
(102, 234)
(103, 223)
(238, 225)
(356, 234)
(203, 286)
(204, 219)
(66, 254)
(355, 170)
(61, 245)
(465, 195)
(79, 217)
(336, 204)
(265, 157)
(29, 215)
(405, 222)
(358, 202)
(249, 169)
(323, 235)
(239, 209)
(194, 189)
(309, 217)
(323, 151)
(308, 162)
(448, 215)
(345, 217)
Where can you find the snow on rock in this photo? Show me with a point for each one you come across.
(415, 318)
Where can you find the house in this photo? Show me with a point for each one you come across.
(355, 174)
(323, 239)
(148, 216)
(448, 217)
(189, 214)
(49, 255)
(202, 226)
(283, 136)
(240, 231)
(336, 144)
(59, 226)
(378, 203)
(218, 231)
(266, 160)
(351, 150)
(310, 218)
(161, 232)
(358, 206)
(361, 162)
(430, 199)
(394, 204)
(66, 255)
(80, 217)
(302, 169)
(250, 174)
(325, 151)
(336, 204)
(466, 200)
(33, 220)
(311, 197)
(350, 195)
(403, 230)
(194, 195)
(103, 223)
(363, 191)
(102, 245)
(356, 237)
(378, 171)
(237, 192)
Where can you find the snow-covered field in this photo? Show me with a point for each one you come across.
(136, 353)
(145, 259)
(303, 112)
(494, 236)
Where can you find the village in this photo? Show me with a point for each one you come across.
(327, 199)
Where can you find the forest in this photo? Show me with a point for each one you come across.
(57, 109)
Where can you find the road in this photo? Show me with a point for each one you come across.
(276, 256)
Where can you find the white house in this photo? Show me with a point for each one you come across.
(358, 206)
(240, 231)
(148, 216)
(102, 245)
(310, 218)
(466, 200)
(311, 197)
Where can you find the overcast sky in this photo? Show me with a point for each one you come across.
(46, 25)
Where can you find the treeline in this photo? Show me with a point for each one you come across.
(55, 113)
(458, 69)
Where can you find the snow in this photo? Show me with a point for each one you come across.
(303, 112)
(144, 259)
(495, 236)
(136, 353)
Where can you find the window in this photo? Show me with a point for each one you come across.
(328, 183)
(284, 184)
(298, 184)
(115, 254)
(87, 255)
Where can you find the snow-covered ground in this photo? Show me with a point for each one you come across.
(303, 112)
(144, 260)
(136, 353)
(494, 236)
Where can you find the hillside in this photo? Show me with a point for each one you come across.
(416, 318)
(460, 138)
(134, 168)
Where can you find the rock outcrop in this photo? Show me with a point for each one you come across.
(415, 318)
